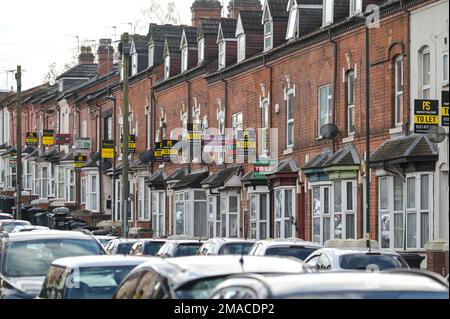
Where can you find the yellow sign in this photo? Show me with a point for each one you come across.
(107, 149)
(445, 111)
(48, 140)
(246, 144)
(426, 119)
(194, 136)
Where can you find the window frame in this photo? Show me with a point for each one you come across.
(290, 105)
(268, 35)
(282, 219)
(292, 28)
(166, 67)
(355, 7)
(151, 55)
(398, 108)
(241, 47)
(157, 200)
(255, 217)
(327, 5)
(201, 50)
(222, 54)
(329, 106)
(351, 109)
(184, 58)
(445, 69)
(265, 127)
(423, 86)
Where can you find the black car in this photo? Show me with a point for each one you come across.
(25, 258)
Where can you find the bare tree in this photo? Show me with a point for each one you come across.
(54, 71)
(157, 14)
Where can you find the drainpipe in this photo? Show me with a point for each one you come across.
(335, 81)
(225, 82)
(189, 113)
(100, 179)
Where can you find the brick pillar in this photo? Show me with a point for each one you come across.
(437, 256)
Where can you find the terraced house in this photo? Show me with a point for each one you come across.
(285, 68)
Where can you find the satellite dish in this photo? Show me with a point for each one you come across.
(146, 157)
(95, 156)
(436, 134)
(329, 131)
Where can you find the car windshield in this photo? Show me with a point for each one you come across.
(152, 248)
(96, 283)
(200, 289)
(9, 227)
(124, 248)
(33, 258)
(187, 249)
(292, 251)
(235, 249)
(104, 241)
(362, 261)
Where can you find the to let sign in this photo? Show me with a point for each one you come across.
(79, 162)
(131, 143)
(63, 139)
(165, 150)
(445, 101)
(107, 149)
(32, 139)
(83, 143)
(426, 115)
(48, 137)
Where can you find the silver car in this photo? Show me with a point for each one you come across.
(293, 247)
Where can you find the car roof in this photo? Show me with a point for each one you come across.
(230, 240)
(100, 261)
(345, 251)
(124, 240)
(354, 281)
(16, 221)
(47, 234)
(181, 270)
(290, 242)
(150, 240)
(184, 241)
(105, 237)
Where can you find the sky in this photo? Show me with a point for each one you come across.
(38, 33)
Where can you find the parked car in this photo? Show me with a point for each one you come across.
(87, 277)
(25, 258)
(6, 216)
(178, 248)
(146, 247)
(226, 246)
(194, 277)
(104, 239)
(8, 225)
(24, 228)
(284, 247)
(335, 285)
(120, 246)
(334, 259)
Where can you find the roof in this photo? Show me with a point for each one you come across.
(181, 270)
(345, 156)
(191, 36)
(218, 179)
(80, 71)
(251, 21)
(228, 27)
(405, 148)
(278, 10)
(157, 33)
(290, 242)
(191, 181)
(328, 282)
(157, 179)
(140, 43)
(208, 27)
(286, 166)
(206, 3)
(319, 160)
(173, 44)
(50, 234)
(100, 261)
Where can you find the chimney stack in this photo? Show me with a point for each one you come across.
(205, 9)
(86, 56)
(105, 55)
(235, 6)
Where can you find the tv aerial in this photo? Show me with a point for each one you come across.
(437, 134)
(329, 131)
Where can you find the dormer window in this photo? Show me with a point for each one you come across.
(167, 67)
(241, 48)
(184, 59)
(268, 35)
(355, 7)
(134, 60)
(222, 48)
(201, 50)
(328, 12)
(292, 29)
(151, 54)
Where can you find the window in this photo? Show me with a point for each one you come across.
(355, 7)
(325, 105)
(151, 55)
(83, 190)
(108, 128)
(36, 181)
(214, 216)
(222, 59)
(184, 59)
(52, 180)
(334, 214)
(93, 193)
(426, 73)
(201, 50)
(241, 48)
(28, 175)
(158, 213)
(229, 212)
(268, 35)
(191, 214)
(61, 180)
(70, 185)
(259, 216)
(445, 68)
(405, 211)
(351, 103)
(398, 91)
(292, 29)
(328, 12)
(290, 120)
(238, 123)
(134, 64)
(44, 182)
(84, 128)
(167, 67)
(143, 199)
(284, 211)
(265, 113)
(118, 204)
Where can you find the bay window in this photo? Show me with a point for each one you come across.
(398, 91)
(158, 213)
(405, 209)
(229, 213)
(190, 213)
(143, 199)
(52, 180)
(325, 106)
(94, 194)
(36, 180)
(290, 120)
(426, 73)
(334, 211)
(284, 212)
(118, 204)
(44, 182)
(259, 216)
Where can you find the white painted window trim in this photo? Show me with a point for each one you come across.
(222, 54)
(159, 229)
(330, 7)
(241, 50)
(268, 35)
(445, 81)
(257, 220)
(355, 7)
(351, 107)
(290, 121)
(283, 217)
(329, 106)
(424, 87)
(201, 50)
(398, 91)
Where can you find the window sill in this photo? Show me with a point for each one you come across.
(348, 139)
(396, 130)
(288, 151)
